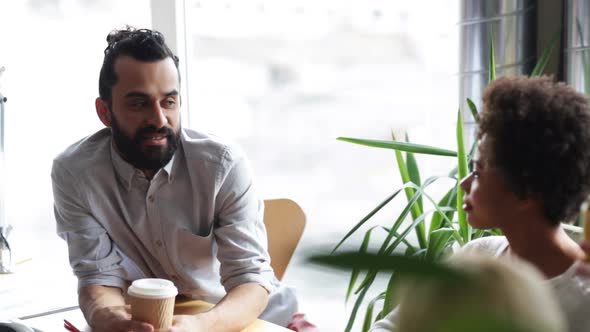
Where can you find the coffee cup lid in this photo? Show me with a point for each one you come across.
(152, 288)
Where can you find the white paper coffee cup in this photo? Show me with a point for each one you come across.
(152, 301)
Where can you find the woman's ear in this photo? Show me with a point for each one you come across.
(102, 110)
(529, 202)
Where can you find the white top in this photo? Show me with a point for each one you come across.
(572, 291)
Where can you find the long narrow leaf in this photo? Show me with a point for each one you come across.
(367, 217)
(416, 209)
(448, 199)
(413, 171)
(407, 147)
(478, 233)
(473, 109)
(546, 55)
(368, 322)
(446, 212)
(405, 211)
(397, 241)
(428, 182)
(412, 267)
(439, 240)
(390, 293)
(370, 277)
(355, 272)
(464, 228)
(492, 66)
(355, 309)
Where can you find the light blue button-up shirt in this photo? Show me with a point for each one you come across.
(198, 222)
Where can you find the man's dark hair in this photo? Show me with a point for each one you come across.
(140, 44)
(539, 132)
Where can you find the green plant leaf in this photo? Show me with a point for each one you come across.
(370, 276)
(492, 65)
(415, 178)
(355, 309)
(367, 217)
(428, 182)
(413, 171)
(546, 55)
(406, 175)
(402, 216)
(368, 322)
(485, 232)
(413, 267)
(439, 240)
(494, 231)
(464, 228)
(473, 109)
(391, 247)
(390, 293)
(407, 147)
(449, 200)
(355, 272)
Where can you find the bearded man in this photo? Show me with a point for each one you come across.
(146, 198)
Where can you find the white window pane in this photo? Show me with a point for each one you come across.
(52, 51)
(285, 78)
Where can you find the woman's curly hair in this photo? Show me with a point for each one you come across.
(540, 140)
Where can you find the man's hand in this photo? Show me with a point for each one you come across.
(105, 310)
(186, 323)
(238, 309)
(117, 319)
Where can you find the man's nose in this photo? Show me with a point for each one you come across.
(157, 117)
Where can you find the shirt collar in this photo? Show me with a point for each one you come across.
(125, 171)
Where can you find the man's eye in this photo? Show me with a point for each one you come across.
(170, 102)
(138, 104)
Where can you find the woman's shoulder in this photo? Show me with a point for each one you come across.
(493, 245)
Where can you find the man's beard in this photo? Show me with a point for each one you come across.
(149, 157)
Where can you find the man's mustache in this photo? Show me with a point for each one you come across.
(153, 130)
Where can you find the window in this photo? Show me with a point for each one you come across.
(285, 78)
(52, 51)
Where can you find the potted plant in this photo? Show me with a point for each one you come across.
(447, 224)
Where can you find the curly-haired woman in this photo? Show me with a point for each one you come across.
(531, 172)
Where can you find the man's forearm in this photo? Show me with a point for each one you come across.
(95, 297)
(239, 308)
(105, 310)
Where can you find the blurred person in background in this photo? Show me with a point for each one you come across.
(498, 295)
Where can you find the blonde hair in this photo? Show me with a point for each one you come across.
(509, 293)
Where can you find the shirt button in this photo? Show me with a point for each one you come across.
(159, 243)
(151, 198)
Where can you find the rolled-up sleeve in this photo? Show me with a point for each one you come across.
(239, 229)
(93, 256)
